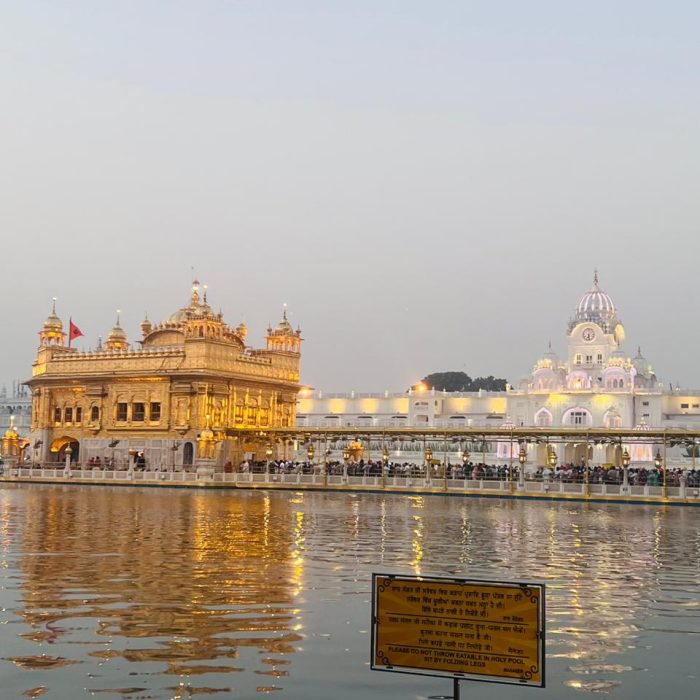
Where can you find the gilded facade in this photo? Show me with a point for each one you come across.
(176, 398)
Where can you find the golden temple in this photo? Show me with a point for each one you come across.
(175, 400)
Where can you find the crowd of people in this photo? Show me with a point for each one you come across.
(472, 471)
(568, 473)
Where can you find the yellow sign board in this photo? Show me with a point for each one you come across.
(468, 629)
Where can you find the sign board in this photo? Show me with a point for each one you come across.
(460, 628)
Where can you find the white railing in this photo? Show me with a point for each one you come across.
(374, 482)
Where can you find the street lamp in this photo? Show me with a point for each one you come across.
(659, 462)
(465, 456)
(325, 466)
(625, 467)
(174, 449)
(310, 452)
(268, 459)
(522, 458)
(385, 464)
(37, 445)
(552, 457)
(112, 445)
(428, 462)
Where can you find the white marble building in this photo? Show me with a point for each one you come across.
(16, 408)
(597, 384)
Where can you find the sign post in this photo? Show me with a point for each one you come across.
(463, 629)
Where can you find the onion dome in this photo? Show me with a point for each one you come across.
(117, 333)
(284, 326)
(641, 364)
(617, 358)
(52, 331)
(197, 309)
(53, 323)
(146, 326)
(10, 442)
(595, 304)
(283, 337)
(507, 424)
(116, 340)
(242, 330)
(549, 359)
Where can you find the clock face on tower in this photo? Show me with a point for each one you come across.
(588, 334)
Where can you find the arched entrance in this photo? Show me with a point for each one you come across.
(57, 452)
(188, 454)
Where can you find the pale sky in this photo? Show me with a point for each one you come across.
(428, 185)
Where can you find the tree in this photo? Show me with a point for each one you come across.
(461, 381)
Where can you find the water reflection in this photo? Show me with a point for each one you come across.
(185, 581)
(175, 593)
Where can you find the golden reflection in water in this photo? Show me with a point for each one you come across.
(196, 577)
(417, 539)
(191, 584)
(465, 536)
(297, 555)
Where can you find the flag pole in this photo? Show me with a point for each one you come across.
(70, 335)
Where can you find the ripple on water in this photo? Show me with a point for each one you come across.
(201, 669)
(174, 582)
(586, 669)
(593, 686)
(35, 692)
(42, 661)
(191, 690)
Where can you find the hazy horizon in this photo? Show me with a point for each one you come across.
(428, 187)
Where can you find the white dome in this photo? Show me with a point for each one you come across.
(595, 302)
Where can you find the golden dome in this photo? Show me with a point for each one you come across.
(198, 307)
(284, 327)
(53, 322)
(11, 433)
(146, 326)
(116, 340)
(117, 333)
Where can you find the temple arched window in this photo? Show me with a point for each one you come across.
(543, 418)
(577, 417)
